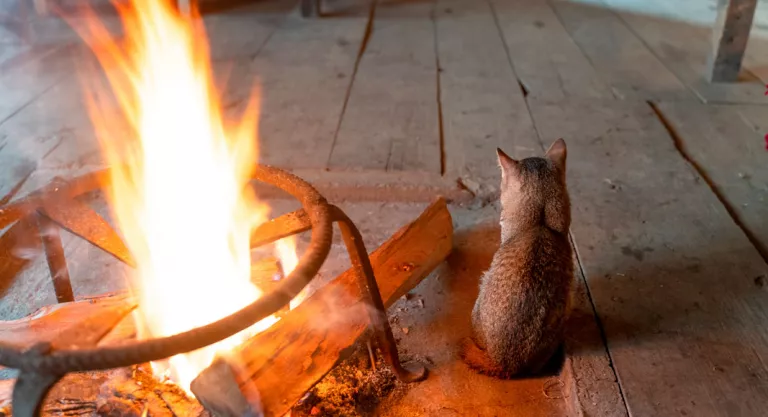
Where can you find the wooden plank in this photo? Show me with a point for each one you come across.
(591, 384)
(287, 359)
(56, 132)
(26, 78)
(676, 284)
(727, 144)
(482, 104)
(684, 49)
(241, 32)
(19, 245)
(392, 120)
(82, 322)
(80, 219)
(730, 36)
(622, 60)
(530, 28)
(304, 71)
(25, 282)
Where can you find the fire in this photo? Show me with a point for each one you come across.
(179, 184)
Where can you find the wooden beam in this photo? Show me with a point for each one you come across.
(278, 366)
(730, 36)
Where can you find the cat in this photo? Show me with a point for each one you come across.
(520, 312)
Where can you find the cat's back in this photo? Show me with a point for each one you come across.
(533, 252)
(531, 271)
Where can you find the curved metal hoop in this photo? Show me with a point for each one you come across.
(63, 361)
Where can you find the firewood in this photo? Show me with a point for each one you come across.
(80, 219)
(62, 326)
(278, 366)
(80, 323)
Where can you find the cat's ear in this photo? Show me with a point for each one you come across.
(510, 168)
(557, 153)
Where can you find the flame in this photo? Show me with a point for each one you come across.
(285, 250)
(179, 184)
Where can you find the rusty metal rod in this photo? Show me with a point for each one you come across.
(369, 289)
(73, 360)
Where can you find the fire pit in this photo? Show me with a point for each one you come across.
(163, 132)
(46, 363)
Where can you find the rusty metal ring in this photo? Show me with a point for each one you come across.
(74, 360)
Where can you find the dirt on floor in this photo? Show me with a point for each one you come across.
(427, 324)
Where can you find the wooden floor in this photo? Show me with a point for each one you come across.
(668, 174)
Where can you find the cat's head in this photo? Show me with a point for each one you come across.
(533, 191)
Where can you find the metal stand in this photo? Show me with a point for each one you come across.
(42, 365)
(358, 255)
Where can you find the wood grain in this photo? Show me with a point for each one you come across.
(684, 48)
(727, 144)
(482, 104)
(591, 383)
(391, 122)
(304, 72)
(675, 282)
(28, 76)
(286, 360)
(621, 58)
(65, 325)
(241, 33)
(546, 59)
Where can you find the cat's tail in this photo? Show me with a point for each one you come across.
(479, 360)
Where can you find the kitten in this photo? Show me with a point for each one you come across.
(524, 297)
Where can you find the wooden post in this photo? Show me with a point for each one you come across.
(730, 35)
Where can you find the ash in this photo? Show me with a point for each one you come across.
(137, 392)
(351, 389)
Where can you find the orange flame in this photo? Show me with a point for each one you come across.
(179, 184)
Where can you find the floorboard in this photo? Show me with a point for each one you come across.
(55, 134)
(592, 386)
(392, 120)
(622, 60)
(482, 104)
(305, 70)
(546, 59)
(243, 34)
(684, 48)
(26, 78)
(678, 287)
(727, 143)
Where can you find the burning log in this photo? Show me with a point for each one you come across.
(61, 326)
(79, 323)
(276, 367)
(279, 365)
